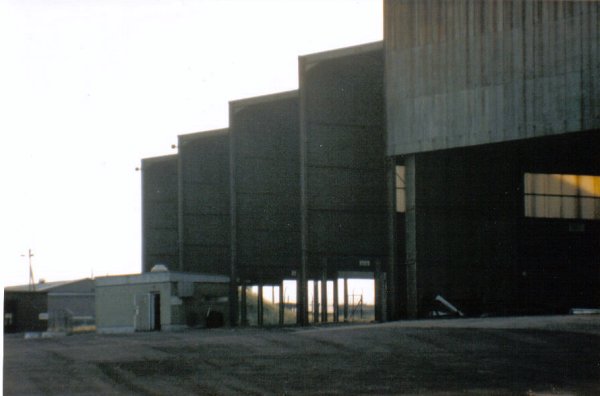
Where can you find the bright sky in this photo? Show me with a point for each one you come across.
(89, 87)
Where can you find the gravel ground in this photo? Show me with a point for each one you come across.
(528, 355)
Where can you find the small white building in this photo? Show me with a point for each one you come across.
(160, 301)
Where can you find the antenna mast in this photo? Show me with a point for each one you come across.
(31, 281)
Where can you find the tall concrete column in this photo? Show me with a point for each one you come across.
(392, 276)
(233, 303)
(336, 302)
(411, 237)
(324, 317)
(345, 299)
(244, 306)
(378, 292)
(281, 305)
(259, 305)
(301, 300)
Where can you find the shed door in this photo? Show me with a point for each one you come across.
(143, 320)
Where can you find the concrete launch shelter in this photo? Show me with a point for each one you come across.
(457, 158)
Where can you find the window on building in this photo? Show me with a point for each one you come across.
(562, 196)
(400, 189)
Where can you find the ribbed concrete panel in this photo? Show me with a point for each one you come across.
(469, 72)
(265, 187)
(343, 180)
(204, 202)
(159, 212)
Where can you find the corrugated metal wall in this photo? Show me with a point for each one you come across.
(159, 212)
(468, 72)
(344, 179)
(204, 202)
(265, 187)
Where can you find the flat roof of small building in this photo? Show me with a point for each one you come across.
(42, 287)
(159, 277)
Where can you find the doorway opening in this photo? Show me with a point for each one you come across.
(156, 303)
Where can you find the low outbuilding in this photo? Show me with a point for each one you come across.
(43, 306)
(160, 300)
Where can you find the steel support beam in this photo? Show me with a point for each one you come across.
(324, 317)
(316, 301)
(259, 305)
(244, 306)
(302, 301)
(281, 305)
(378, 292)
(345, 299)
(392, 274)
(336, 302)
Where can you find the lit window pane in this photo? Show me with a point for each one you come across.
(562, 196)
(587, 186)
(400, 201)
(554, 207)
(554, 184)
(528, 183)
(568, 208)
(569, 185)
(400, 176)
(540, 183)
(400, 188)
(529, 207)
(590, 208)
(539, 206)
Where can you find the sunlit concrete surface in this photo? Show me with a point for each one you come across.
(519, 355)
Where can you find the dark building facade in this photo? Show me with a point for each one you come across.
(493, 108)
(204, 208)
(45, 306)
(265, 184)
(458, 158)
(160, 238)
(265, 193)
(343, 173)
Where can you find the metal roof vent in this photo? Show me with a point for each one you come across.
(159, 268)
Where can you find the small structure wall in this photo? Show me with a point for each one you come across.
(71, 305)
(185, 300)
(25, 308)
(116, 306)
(60, 305)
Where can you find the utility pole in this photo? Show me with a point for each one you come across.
(31, 281)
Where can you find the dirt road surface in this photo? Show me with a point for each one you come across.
(534, 355)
